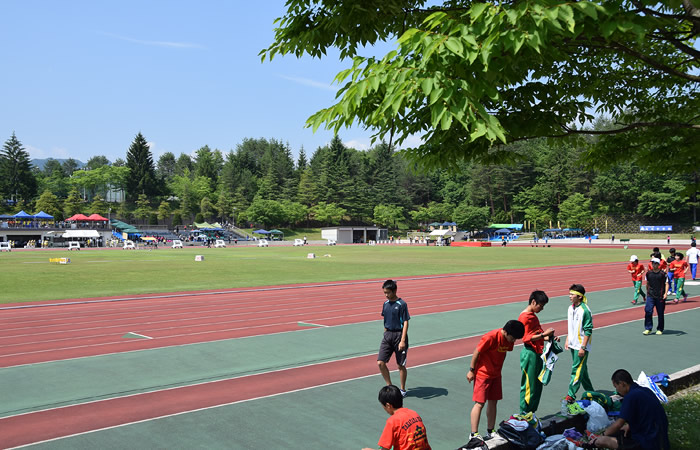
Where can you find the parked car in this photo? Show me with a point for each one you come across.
(263, 243)
(5, 246)
(177, 243)
(74, 245)
(129, 245)
(220, 243)
(298, 242)
(331, 242)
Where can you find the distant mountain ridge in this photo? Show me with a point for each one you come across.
(40, 163)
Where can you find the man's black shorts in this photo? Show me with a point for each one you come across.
(390, 344)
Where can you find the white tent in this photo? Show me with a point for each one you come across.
(81, 234)
(442, 233)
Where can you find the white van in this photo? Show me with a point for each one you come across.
(129, 245)
(263, 243)
(5, 246)
(177, 243)
(298, 242)
(220, 243)
(74, 245)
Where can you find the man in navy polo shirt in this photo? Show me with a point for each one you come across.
(396, 317)
(642, 424)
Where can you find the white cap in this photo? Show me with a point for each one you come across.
(656, 260)
(633, 258)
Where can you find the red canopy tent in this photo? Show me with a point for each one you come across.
(77, 217)
(97, 218)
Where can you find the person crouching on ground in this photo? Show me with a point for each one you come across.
(404, 429)
(642, 424)
(395, 340)
(485, 368)
(531, 354)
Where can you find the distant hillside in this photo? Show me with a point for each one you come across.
(41, 162)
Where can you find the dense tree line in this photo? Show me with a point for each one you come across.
(261, 183)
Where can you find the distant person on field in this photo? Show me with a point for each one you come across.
(679, 269)
(642, 424)
(657, 287)
(485, 368)
(692, 257)
(531, 354)
(404, 429)
(637, 272)
(395, 340)
(580, 325)
(669, 260)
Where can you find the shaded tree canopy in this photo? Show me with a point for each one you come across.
(16, 178)
(142, 174)
(467, 77)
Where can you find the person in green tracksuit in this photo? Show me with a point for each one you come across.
(580, 324)
(531, 354)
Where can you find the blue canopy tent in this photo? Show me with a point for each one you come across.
(261, 231)
(41, 215)
(23, 215)
(503, 231)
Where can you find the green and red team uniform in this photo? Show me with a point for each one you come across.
(637, 277)
(530, 363)
(404, 430)
(679, 268)
(662, 265)
(580, 324)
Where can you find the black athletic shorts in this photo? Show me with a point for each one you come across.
(390, 344)
(626, 442)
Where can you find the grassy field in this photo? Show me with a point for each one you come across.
(28, 276)
(683, 413)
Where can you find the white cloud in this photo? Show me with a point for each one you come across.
(358, 144)
(310, 83)
(39, 153)
(168, 44)
(412, 141)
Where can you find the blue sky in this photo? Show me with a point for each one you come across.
(81, 78)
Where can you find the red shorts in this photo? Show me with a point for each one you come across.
(487, 389)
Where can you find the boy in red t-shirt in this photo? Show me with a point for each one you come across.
(679, 268)
(404, 429)
(637, 272)
(485, 368)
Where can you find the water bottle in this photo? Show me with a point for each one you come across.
(564, 409)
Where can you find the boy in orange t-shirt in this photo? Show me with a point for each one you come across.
(404, 429)
(485, 368)
(679, 268)
(637, 272)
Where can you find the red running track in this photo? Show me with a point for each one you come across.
(46, 333)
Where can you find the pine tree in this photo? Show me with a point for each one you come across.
(74, 203)
(142, 174)
(16, 178)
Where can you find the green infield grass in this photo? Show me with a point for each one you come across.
(29, 276)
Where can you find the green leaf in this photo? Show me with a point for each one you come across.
(427, 85)
(455, 46)
(477, 10)
(446, 121)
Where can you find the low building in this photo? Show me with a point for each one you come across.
(354, 235)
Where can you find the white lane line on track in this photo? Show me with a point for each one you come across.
(280, 288)
(271, 395)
